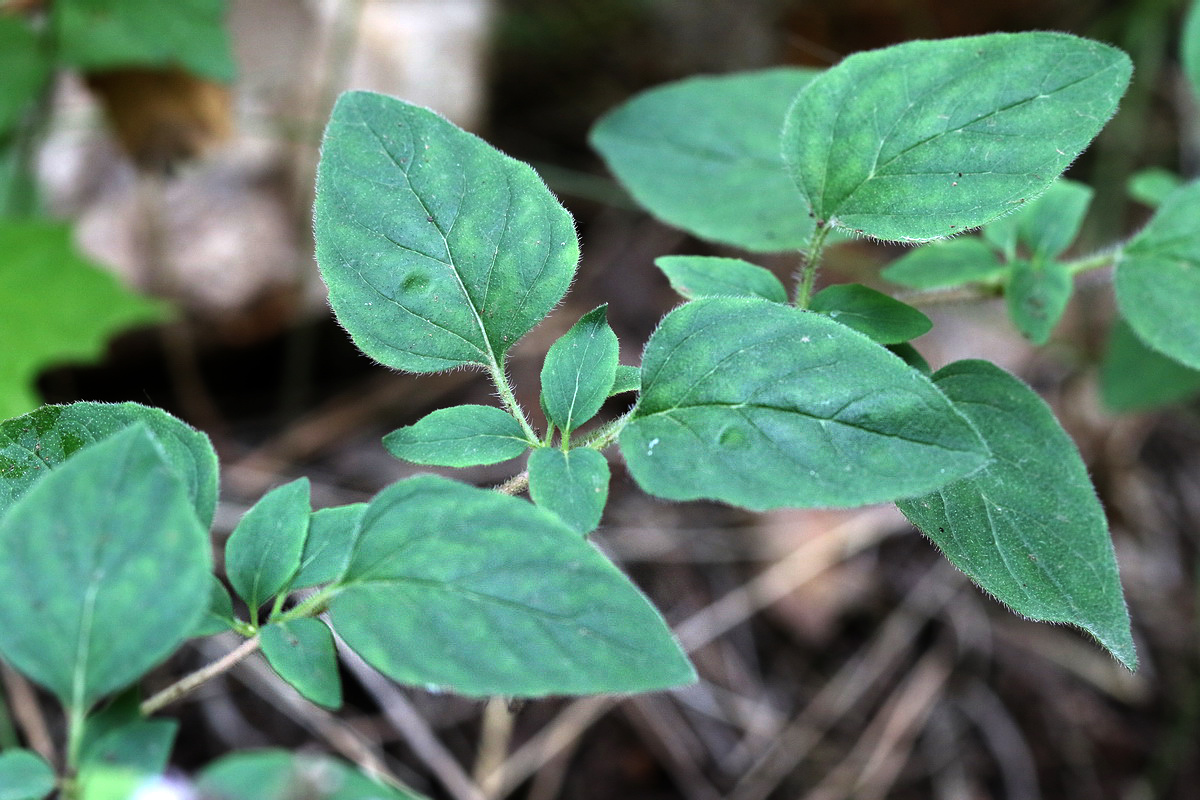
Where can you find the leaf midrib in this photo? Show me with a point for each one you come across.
(476, 312)
(877, 167)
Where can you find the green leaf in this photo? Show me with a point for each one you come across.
(1150, 187)
(439, 251)
(467, 590)
(792, 410)
(1028, 528)
(926, 139)
(628, 379)
(142, 746)
(332, 533)
(34, 445)
(19, 192)
(944, 265)
(1004, 234)
(459, 436)
(710, 276)
(1050, 224)
(279, 775)
(1036, 295)
(265, 548)
(97, 35)
(1045, 226)
(572, 485)
(24, 776)
(1158, 279)
(884, 319)
(56, 307)
(105, 553)
(219, 617)
(1135, 378)
(579, 371)
(301, 651)
(911, 356)
(25, 68)
(1190, 46)
(702, 154)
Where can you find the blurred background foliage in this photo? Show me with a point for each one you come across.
(161, 177)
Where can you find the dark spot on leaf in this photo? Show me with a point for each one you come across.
(415, 282)
(732, 436)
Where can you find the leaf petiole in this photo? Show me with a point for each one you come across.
(504, 389)
(810, 264)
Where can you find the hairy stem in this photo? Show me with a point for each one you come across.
(76, 718)
(606, 434)
(504, 389)
(311, 606)
(514, 485)
(955, 294)
(810, 264)
(190, 682)
(1099, 260)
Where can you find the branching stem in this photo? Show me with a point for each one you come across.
(1104, 258)
(200, 676)
(504, 389)
(806, 276)
(514, 485)
(606, 434)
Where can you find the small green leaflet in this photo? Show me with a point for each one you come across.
(438, 250)
(884, 319)
(1135, 378)
(1049, 225)
(1151, 187)
(710, 276)
(301, 651)
(573, 485)
(82, 552)
(1190, 47)
(1028, 529)
(702, 154)
(1158, 278)
(141, 746)
(459, 436)
(24, 776)
(1037, 294)
(911, 356)
(467, 590)
(33, 445)
(794, 410)
(628, 379)
(579, 371)
(25, 69)
(56, 307)
(332, 533)
(219, 617)
(927, 139)
(280, 775)
(1045, 227)
(264, 550)
(104, 34)
(946, 264)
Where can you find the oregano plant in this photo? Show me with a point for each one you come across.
(440, 253)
